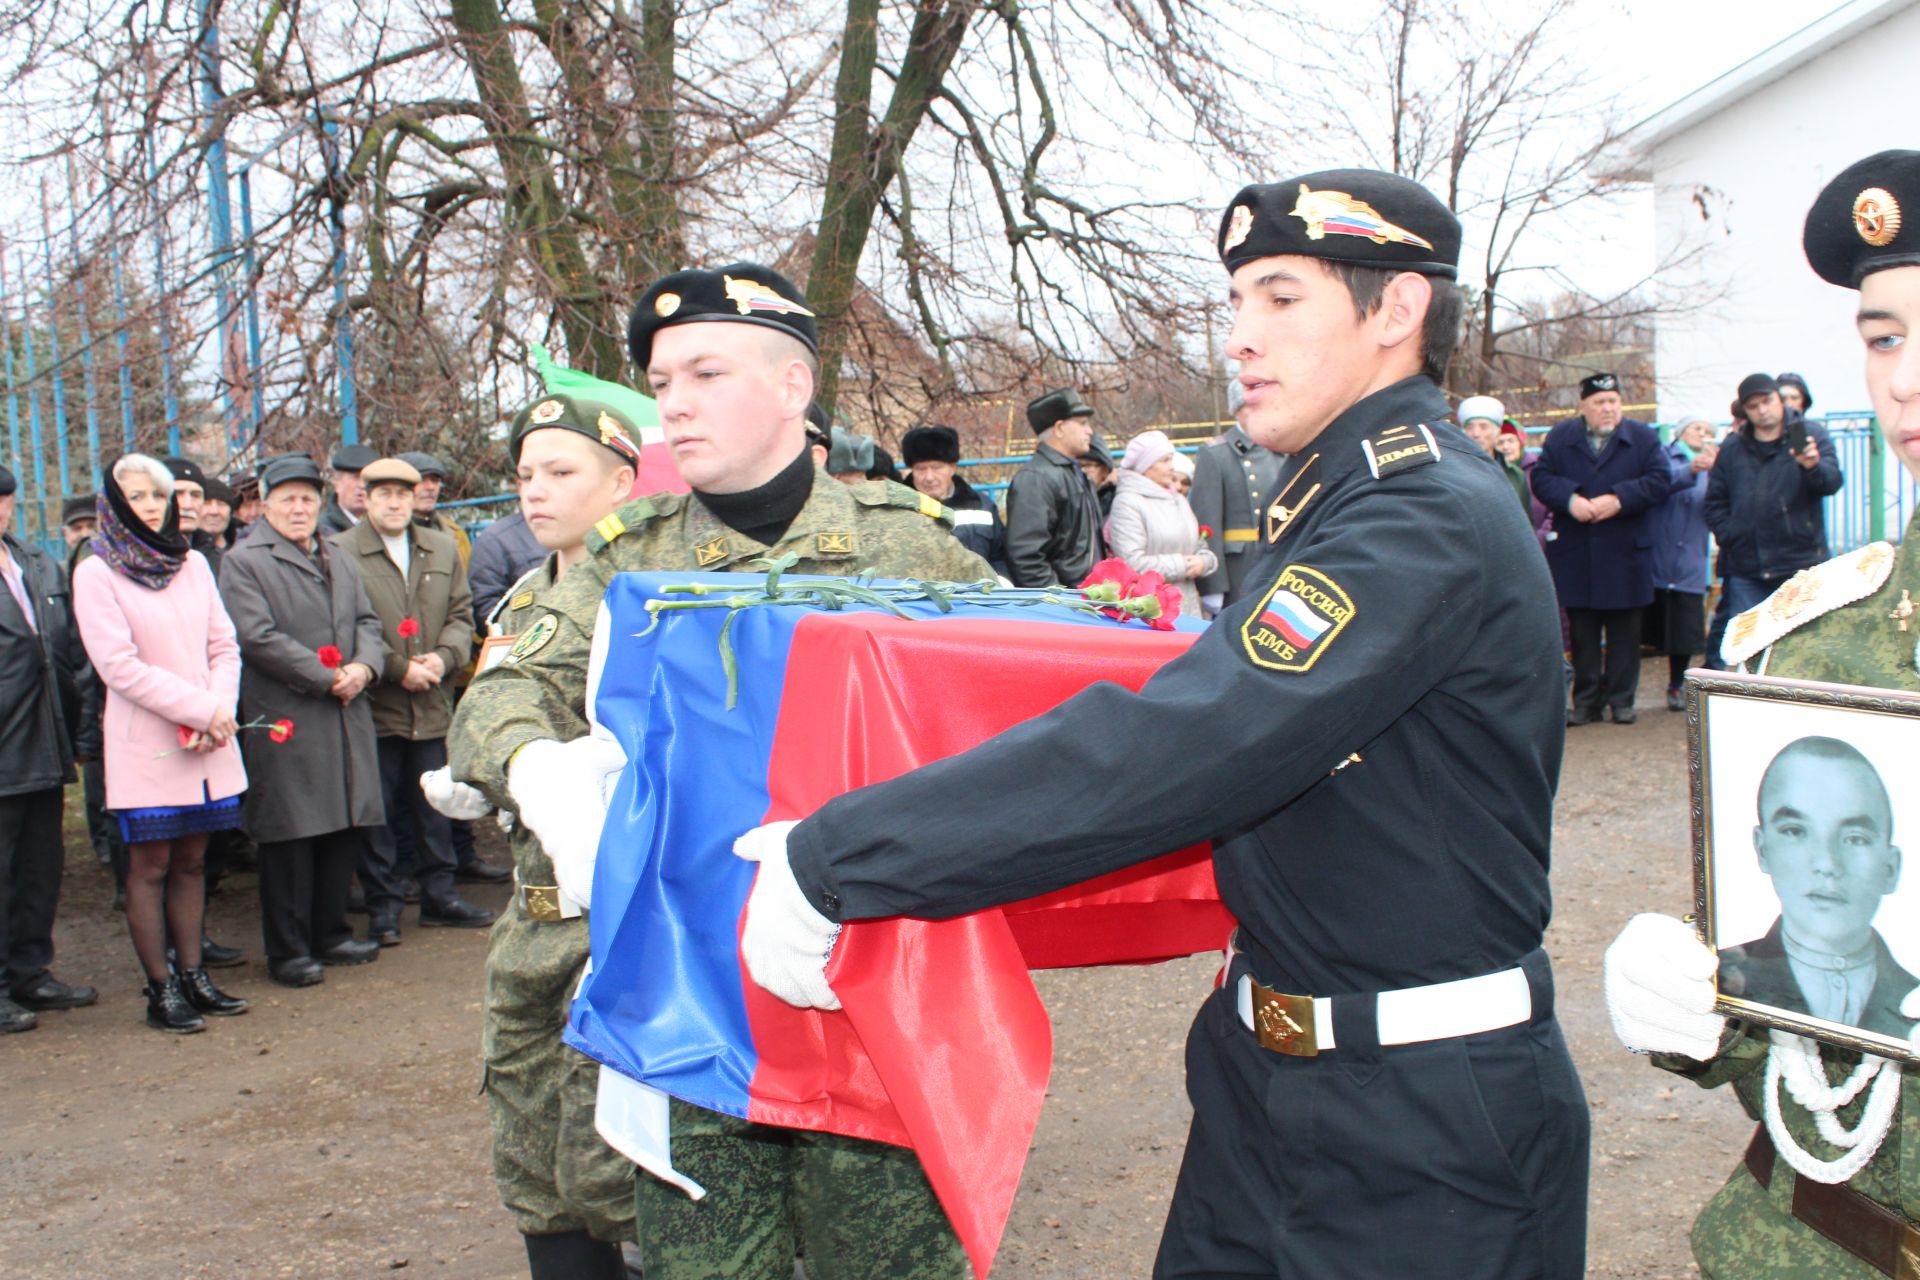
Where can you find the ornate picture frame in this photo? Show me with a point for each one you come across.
(1799, 808)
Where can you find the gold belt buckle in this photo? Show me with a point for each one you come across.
(542, 902)
(1907, 1267)
(1285, 1023)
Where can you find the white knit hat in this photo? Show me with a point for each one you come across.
(1480, 407)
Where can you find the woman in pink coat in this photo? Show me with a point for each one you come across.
(162, 644)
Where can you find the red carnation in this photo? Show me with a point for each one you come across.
(1206, 531)
(409, 628)
(280, 730)
(329, 656)
(186, 735)
(1112, 569)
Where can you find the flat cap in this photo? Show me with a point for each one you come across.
(1056, 406)
(743, 293)
(219, 490)
(425, 463)
(1859, 221)
(1361, 217)
(1098, 451)
(185, 469)
(1757, 384)
(7, 483)
(352, 457)
(598, 421)
(1594, 383)
(930, 444)
(82, 506)
(389, 471)
(287, 468)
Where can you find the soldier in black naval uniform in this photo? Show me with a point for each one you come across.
(1380, 1087)
(1233, 480)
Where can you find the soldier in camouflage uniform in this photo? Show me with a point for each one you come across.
(733, 369)
(1851, 621)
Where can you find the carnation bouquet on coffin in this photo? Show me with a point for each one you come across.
(740, 703)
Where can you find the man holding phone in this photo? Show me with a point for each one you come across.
(1765, 501)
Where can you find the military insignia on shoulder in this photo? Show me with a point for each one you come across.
(521, 601)
(625, 519)
(711, 552)
(546, 411)
(934, 509)
(833, 544)
(1808, 594)
(533, 639)
(1399, 449)
(1292, 500)
(1303, 613)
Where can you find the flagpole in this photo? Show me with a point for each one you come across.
(120, 322)
(55, 360)
(86, 333)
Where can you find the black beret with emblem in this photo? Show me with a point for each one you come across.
(599, 422)
(1361, 217)
(930, 444)
(1594, 383)
(1056, 406)
(1863, 221)
(744, 293)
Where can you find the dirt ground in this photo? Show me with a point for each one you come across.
(337, 1131)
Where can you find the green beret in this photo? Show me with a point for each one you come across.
(602, 423)
(1361, 217)
(1858, 223)
(744, 293)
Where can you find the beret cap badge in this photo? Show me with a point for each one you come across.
(1337, 213)
(1876, 216)
(547, 411)
(613, 435)
(1238, 228)
(751, 296)
(666, 304)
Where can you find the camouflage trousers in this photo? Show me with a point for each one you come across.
(853, 1209)
(553, 1170)
(1748, 1232)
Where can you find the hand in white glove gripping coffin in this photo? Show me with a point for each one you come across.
(561, 791)
(786, 943)
(453, 799)
(1660, 991)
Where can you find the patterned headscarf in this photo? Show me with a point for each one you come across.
(148, 556)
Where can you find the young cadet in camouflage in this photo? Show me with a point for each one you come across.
(1851, 621)
(570, 1194)
(730, 356)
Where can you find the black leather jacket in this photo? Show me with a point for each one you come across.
(1053, 522)
(1766, 510)
(39, 700)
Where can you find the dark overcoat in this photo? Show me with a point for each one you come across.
(1603, 564)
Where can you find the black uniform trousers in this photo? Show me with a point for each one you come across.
(1464, 1157)
(32, 859)
(1608, 676)
(303, 892)
(402, 761)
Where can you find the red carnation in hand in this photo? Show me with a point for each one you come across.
(1206, 531)
(280, 730)
(329, 656)
(186, 735)
(409, 628)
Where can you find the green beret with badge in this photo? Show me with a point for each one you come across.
(743, 293)
(1361, 217)
(597, 420)
(1864, 220)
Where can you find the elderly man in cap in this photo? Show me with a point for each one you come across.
(1053, 511)
(1233, 480)
(78, 519)
(731, 357)
(932, 457)
(1766, 501)
(415, 583)
(1601, 473)
(310, 647)
(426, 500)
(1379, 1087)
(348, 505)
(189, 495)
(40, 657)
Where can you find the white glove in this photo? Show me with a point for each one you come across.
(561, 791)
(453, 799)
(786, 943)
(1213, 603)
(1659, 985)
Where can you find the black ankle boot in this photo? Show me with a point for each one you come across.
(168, 1010)
(207, 998)
(573, 1255)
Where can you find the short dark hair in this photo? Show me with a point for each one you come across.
(1439, 334)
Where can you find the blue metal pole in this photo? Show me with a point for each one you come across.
(255, 408)
(54, 358)
(343, 324)
(171, 396)
(33, 408)
(86, 332)
(220, 216)
(13, 398)
(120, 323)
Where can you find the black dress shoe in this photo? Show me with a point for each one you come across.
(207, 998)
(384, 930)
(48, 992)
(168, 1010)
(352, 951)
(1676, 700)
(1625, 715)
(479, 872)
(456, 913)
(296, 971)
(14, 1018)
(215, 956)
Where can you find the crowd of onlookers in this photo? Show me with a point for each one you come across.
(263, 671)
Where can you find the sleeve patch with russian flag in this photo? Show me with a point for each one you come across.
(1300, 617)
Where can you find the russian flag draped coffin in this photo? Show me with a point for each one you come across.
(942, 1044)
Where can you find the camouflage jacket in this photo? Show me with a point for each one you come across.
(876, 528)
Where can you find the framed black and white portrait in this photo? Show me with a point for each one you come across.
(1802, 803)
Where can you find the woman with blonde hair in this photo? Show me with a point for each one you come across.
(162, 644)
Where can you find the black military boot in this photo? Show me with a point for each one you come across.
(168, 1010)
(573, 1255)
(207, 998)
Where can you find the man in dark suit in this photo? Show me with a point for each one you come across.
(1825, 838)
(1602, 472)
(1233, 481)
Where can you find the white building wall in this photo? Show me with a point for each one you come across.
(1757, 166)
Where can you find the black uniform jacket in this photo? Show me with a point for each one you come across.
(1380, 793)
(1767, 512)
(1053, 522)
